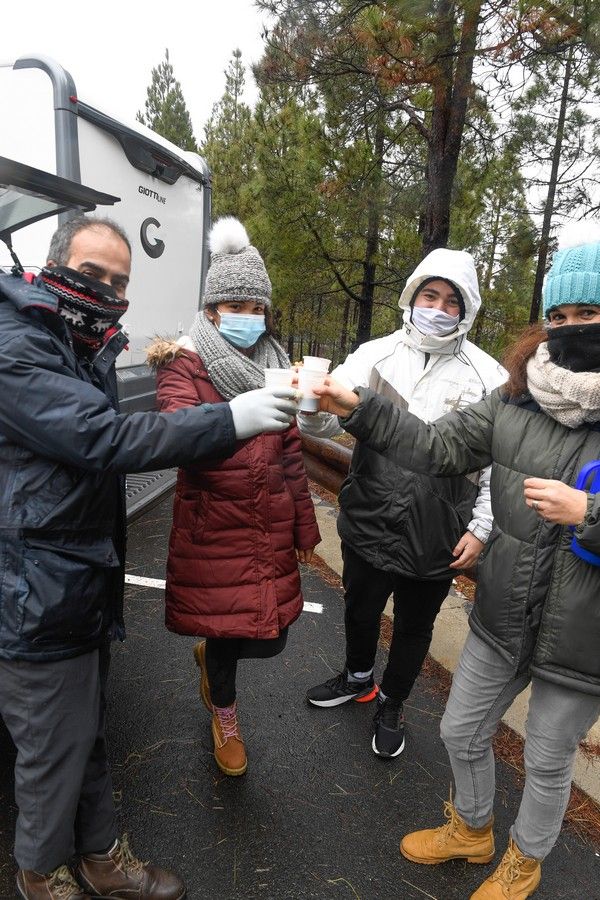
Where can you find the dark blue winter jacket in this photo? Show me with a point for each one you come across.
(64, 449)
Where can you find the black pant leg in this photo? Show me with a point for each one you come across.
(416, 605)
(366, 591)
(222, 656)
(263, 648)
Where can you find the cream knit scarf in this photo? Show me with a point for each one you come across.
(230, 371)
(572, 398)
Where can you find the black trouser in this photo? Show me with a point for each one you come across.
(222, 655)
(416, 604)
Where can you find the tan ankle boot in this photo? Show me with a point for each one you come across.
(56, 885)
(454, 840)
(516, 877)
(120, 875)
(230, 752)
(200, 657)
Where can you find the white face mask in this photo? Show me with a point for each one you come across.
(433, 321)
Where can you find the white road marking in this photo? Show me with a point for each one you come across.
(160, 583)
(313, 607)
(145, 582)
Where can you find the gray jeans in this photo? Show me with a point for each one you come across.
(483, 688)
(54, 712)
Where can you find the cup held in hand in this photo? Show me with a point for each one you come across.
(317, 363)
(307, 380)
(275, 378)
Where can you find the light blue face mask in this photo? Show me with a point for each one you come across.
(240, 330)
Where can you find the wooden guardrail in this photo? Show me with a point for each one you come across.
(326, 461)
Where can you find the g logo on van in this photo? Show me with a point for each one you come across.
(156, 247)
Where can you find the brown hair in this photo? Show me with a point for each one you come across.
(517, 356)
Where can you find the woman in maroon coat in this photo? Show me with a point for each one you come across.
(240, 524)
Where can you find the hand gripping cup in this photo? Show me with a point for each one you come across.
(311, 374)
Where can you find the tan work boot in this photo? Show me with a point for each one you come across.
(454, 840)
(230, 752)
(56, 885)
(200, 657)
(118, 874)
(516, 877)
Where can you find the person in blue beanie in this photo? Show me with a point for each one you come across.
(536, 614)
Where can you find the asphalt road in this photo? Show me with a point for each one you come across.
(317, 815)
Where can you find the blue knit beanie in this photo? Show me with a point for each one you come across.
(574, 276)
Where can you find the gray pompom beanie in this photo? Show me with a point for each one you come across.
(236, 270)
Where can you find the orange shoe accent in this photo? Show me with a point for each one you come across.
(368, 697)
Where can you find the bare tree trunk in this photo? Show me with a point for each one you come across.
(489, 271)
(344, 334)
(451, 92)
(290, 331)
(536, 300)
(369, 265)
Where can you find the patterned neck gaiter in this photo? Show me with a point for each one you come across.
(90, 308)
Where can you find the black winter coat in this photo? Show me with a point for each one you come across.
(64, 449)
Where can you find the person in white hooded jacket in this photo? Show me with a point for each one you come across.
(406, 534)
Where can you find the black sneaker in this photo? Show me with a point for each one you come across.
(388, 728)
(339, 690)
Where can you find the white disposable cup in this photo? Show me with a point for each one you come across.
(275, 378)
(307, 380)
(317, 363)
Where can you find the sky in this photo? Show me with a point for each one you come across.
(110, 47)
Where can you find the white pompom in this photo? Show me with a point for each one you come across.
(577, 233)
(228, 235)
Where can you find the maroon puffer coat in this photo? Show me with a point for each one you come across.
(232, 568)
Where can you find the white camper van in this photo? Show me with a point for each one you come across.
(164, 208)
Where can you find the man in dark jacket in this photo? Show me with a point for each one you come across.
(64, 449)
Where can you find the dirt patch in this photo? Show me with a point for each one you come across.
(323, 493)
(328, 575)
(466, 586)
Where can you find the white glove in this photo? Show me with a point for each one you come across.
(263, 410)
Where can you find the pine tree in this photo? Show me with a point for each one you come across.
(166, 111)
(228, 144)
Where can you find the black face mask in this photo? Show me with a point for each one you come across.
(90, 308)
(575, 347)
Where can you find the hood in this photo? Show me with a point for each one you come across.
(458, 267)
(164, 350)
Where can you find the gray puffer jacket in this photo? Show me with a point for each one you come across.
(537, 602)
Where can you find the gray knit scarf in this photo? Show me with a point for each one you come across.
(572, 398)
(230, 371)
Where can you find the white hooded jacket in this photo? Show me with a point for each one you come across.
(429, 376)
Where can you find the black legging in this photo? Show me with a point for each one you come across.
(222, 656)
